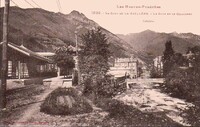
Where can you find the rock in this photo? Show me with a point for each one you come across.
(156, 85)
(144, 106)
(161, 105)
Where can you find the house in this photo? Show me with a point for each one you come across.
(48, 66)
(189, 57)
(158, 65)
(24, 63)
(125, 67)
(186, 62)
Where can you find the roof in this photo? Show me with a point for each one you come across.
(125, 60)
(45, 54)
(28, 52)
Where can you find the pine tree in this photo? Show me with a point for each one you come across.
(168, 58)
(94, 59)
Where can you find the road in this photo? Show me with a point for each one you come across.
(35, 108)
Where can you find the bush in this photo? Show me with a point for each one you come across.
(88, 86)
(115, 108)
(192, 115)
(75, 78)
(65, 101)
(106, 87)
(155, 74)
(183, 84)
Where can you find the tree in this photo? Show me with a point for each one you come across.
(155, 73)
(184, 82)
(94, 59)
(194, 58)
(64, 59)
(179, 60)
(168, 58)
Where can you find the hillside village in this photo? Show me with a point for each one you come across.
(67, 70)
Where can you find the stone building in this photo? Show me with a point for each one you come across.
(158, 65)
(125, 67)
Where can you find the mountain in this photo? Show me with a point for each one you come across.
(41, 30)
(153, 43)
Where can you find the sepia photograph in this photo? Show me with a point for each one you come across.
(113, 63)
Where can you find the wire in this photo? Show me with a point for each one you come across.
(59, 6)
(29, 3)
(14, 3)
(36, 3)
(24, 11)
(33, 18)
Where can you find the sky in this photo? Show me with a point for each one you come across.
(129, 16)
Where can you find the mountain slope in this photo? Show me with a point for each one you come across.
(41, 30)
(153, 43)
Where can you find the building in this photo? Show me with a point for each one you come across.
(24, 63)
(185, 58)
(189, 57)
(49, 67)
(125, 67)
(158, 65)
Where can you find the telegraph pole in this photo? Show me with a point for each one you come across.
(4, 57)
(77, 64)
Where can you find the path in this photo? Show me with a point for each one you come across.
(55, 83)
(34, 117)
(148, 99)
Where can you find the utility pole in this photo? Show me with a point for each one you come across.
(4, 57)
(77, 64)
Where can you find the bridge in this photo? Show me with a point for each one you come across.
(145, 80)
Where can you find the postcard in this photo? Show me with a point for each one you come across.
(99, 63)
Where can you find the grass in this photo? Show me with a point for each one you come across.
(75, 105)
(18, 100)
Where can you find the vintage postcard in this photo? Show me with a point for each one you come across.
(100, 63)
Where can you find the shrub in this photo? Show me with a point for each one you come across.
(114, 107)
(106, 87)
(65, 101)
(88, 86)
(155, 74)
(183, 83)
(192, 115)
(75, 78)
